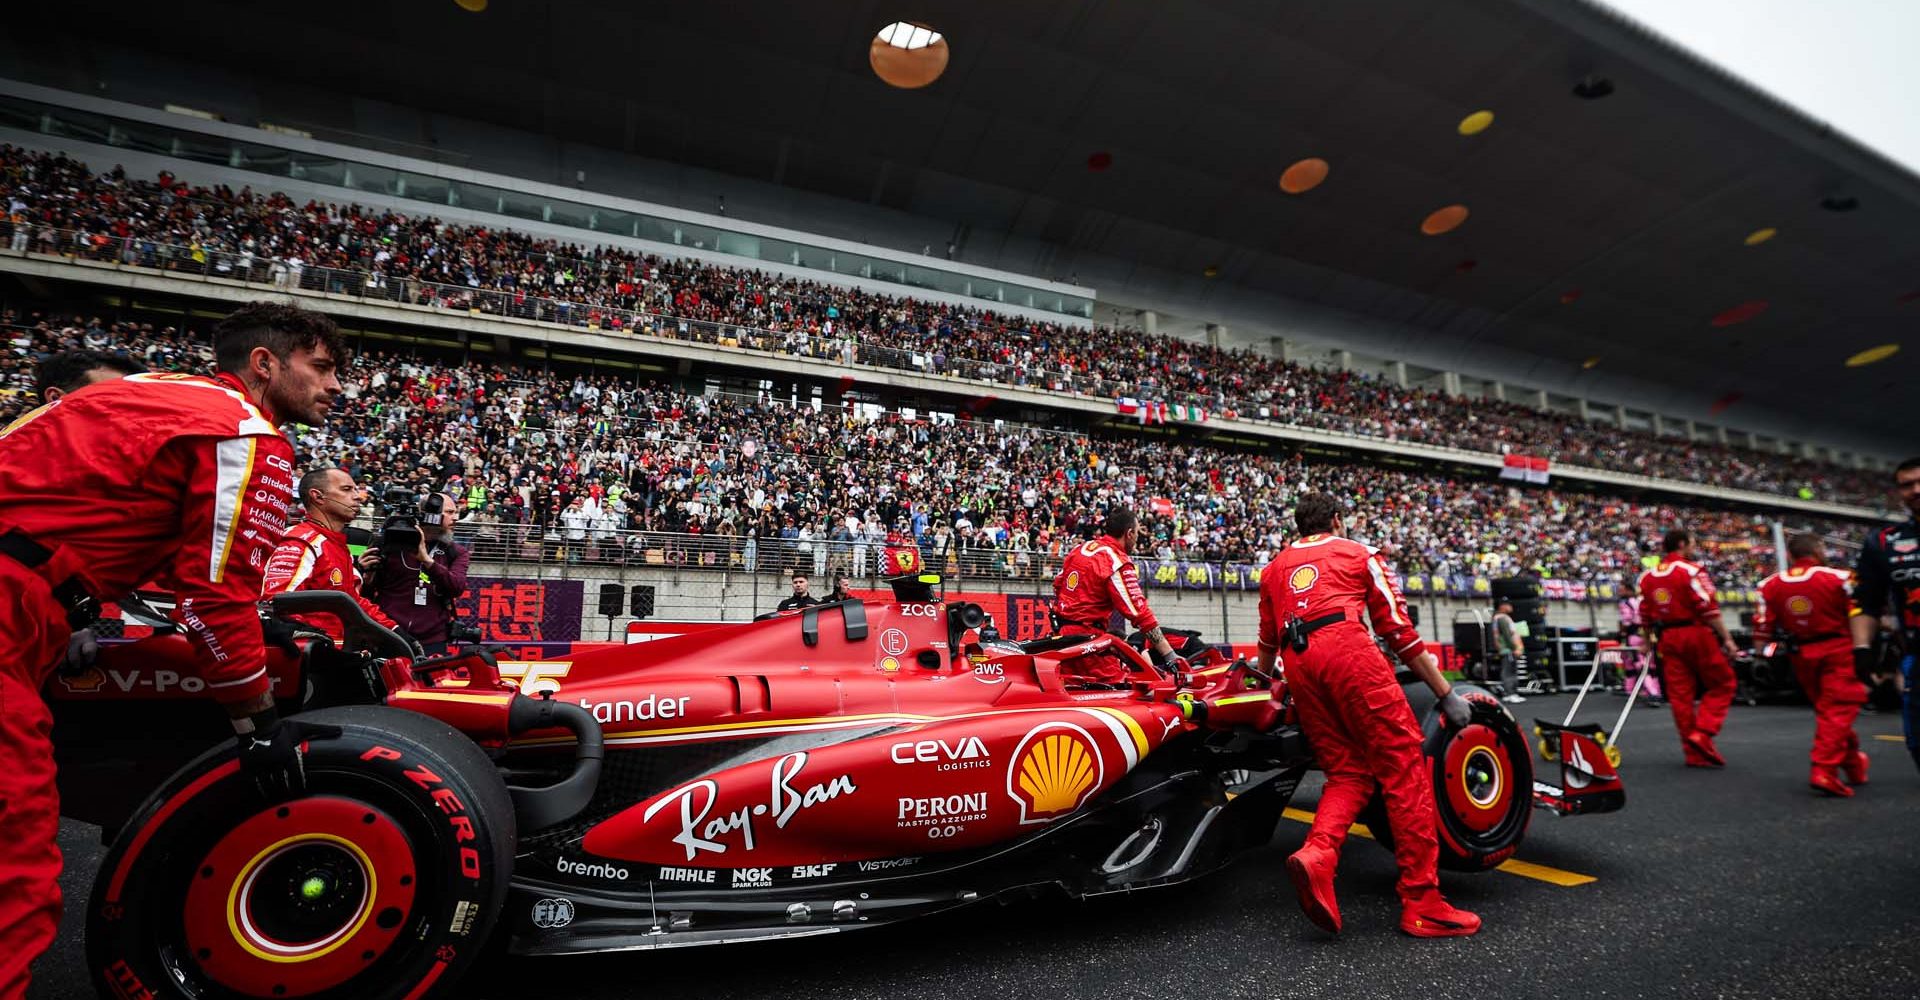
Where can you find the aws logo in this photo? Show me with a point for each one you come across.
(1057, 766)
(1304, 578)
(1799, 605)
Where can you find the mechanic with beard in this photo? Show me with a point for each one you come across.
(1889, 570)
(1098, 580)
(313, 554)
(182, 477)
(1313, 597)
(417, 589)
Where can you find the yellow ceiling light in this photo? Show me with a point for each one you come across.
(1873, 354)
(1476, 123)
(1212, 271)
(471, 6)
(1304, 176)
(1760, 236)
(908, 55)
(1592, 362)
(1444, 220)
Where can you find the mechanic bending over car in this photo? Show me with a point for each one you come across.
(182, 477)
(1363, 733)
(1098, 579)
(418, 588)
(313, 554)
(1808, 607)
(1677, 605)
(1889, 570)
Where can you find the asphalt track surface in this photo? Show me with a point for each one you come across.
(1723, 884)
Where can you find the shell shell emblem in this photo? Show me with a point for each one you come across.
(1304, 578)
(1662, 595)
(1057, 767)
(1073, 579)
(1799, 605)
(333, 576)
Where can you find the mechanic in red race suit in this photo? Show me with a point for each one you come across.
(1809, 606)
(1677, 599)
(313, 554)
(1363, 733)
(1097, 580)
(178, 476)
(1887, 580)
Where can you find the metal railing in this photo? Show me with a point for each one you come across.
(611, 319)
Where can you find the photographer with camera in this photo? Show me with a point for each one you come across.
(418, 571)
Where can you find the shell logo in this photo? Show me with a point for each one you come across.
(1073, 579)
(1799, 605)
(1662, 595)
(1057, 767)
(1304, 578)
(333, 576)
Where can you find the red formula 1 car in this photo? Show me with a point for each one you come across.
(847, 766)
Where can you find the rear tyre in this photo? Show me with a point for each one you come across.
(1482, 784)
(382, 881)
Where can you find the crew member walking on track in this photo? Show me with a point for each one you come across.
(177, 476)
(313, 554)
(1808, 607)
(1312, 599)
(1887, 580)
(1677, 603)
(1097, 579)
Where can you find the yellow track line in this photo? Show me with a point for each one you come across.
(1525, 869)
(1889, 739)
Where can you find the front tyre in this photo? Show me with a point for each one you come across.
(382, 881)
(1482, 783)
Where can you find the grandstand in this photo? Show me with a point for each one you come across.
(631, 391)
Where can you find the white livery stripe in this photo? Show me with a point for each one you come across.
(1386, 591)
(235, 468)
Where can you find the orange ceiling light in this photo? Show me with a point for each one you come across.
(1476, 123)
(1760, 236)
(1873, 354)
(471, 6)
(1444, 220)
(1741, 313)
(1590, 363)
(907, 55)
(1212, 271)
(1304, 176)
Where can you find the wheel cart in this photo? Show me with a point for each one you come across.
(1589, 757)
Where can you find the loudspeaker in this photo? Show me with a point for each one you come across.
(642, 600)
(1531, 610)
(1467, 637)
(612, 595)
(1517, 587)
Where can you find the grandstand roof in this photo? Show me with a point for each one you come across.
(1624, 228)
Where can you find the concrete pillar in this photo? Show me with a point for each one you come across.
(1659, 426)
(1539, 399)
(1753, 441)
(1399, 370)
(1150, 322)
(1720, 434)
(1497, 390)
(1693, 433)
(1450, 384)
(1344, 359)
(1620, 416)
(1580, 406)
(1807, 450)
(1282, 348)
(1215, 334)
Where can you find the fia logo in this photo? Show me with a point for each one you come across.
(549, 914)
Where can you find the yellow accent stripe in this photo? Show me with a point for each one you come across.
(1512, 866)
(760, 724)
(1241, 699)
(219, 568)
(476, 699)
(1139, 737)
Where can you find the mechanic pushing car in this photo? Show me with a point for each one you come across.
(1677, 604)
(1363, 733)
(1889, 569)
(1098, 579)
(313, 554)
(1808, 606)
(183, 477)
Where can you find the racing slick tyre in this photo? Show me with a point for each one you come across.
(1482, 783)
(383, 880)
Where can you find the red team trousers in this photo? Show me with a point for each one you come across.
(1692, 667)
(1825, 671)
(33, 639)
(1365, 736)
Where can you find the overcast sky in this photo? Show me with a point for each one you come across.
(1850, 63)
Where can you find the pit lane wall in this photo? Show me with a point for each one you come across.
(518, 604)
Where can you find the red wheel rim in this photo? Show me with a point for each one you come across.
(1479, 778)
(300, 898)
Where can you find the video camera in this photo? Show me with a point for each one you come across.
(405, 511)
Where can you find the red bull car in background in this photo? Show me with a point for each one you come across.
(846, 766)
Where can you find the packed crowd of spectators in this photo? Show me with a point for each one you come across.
(602, 468)
(57, 205)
